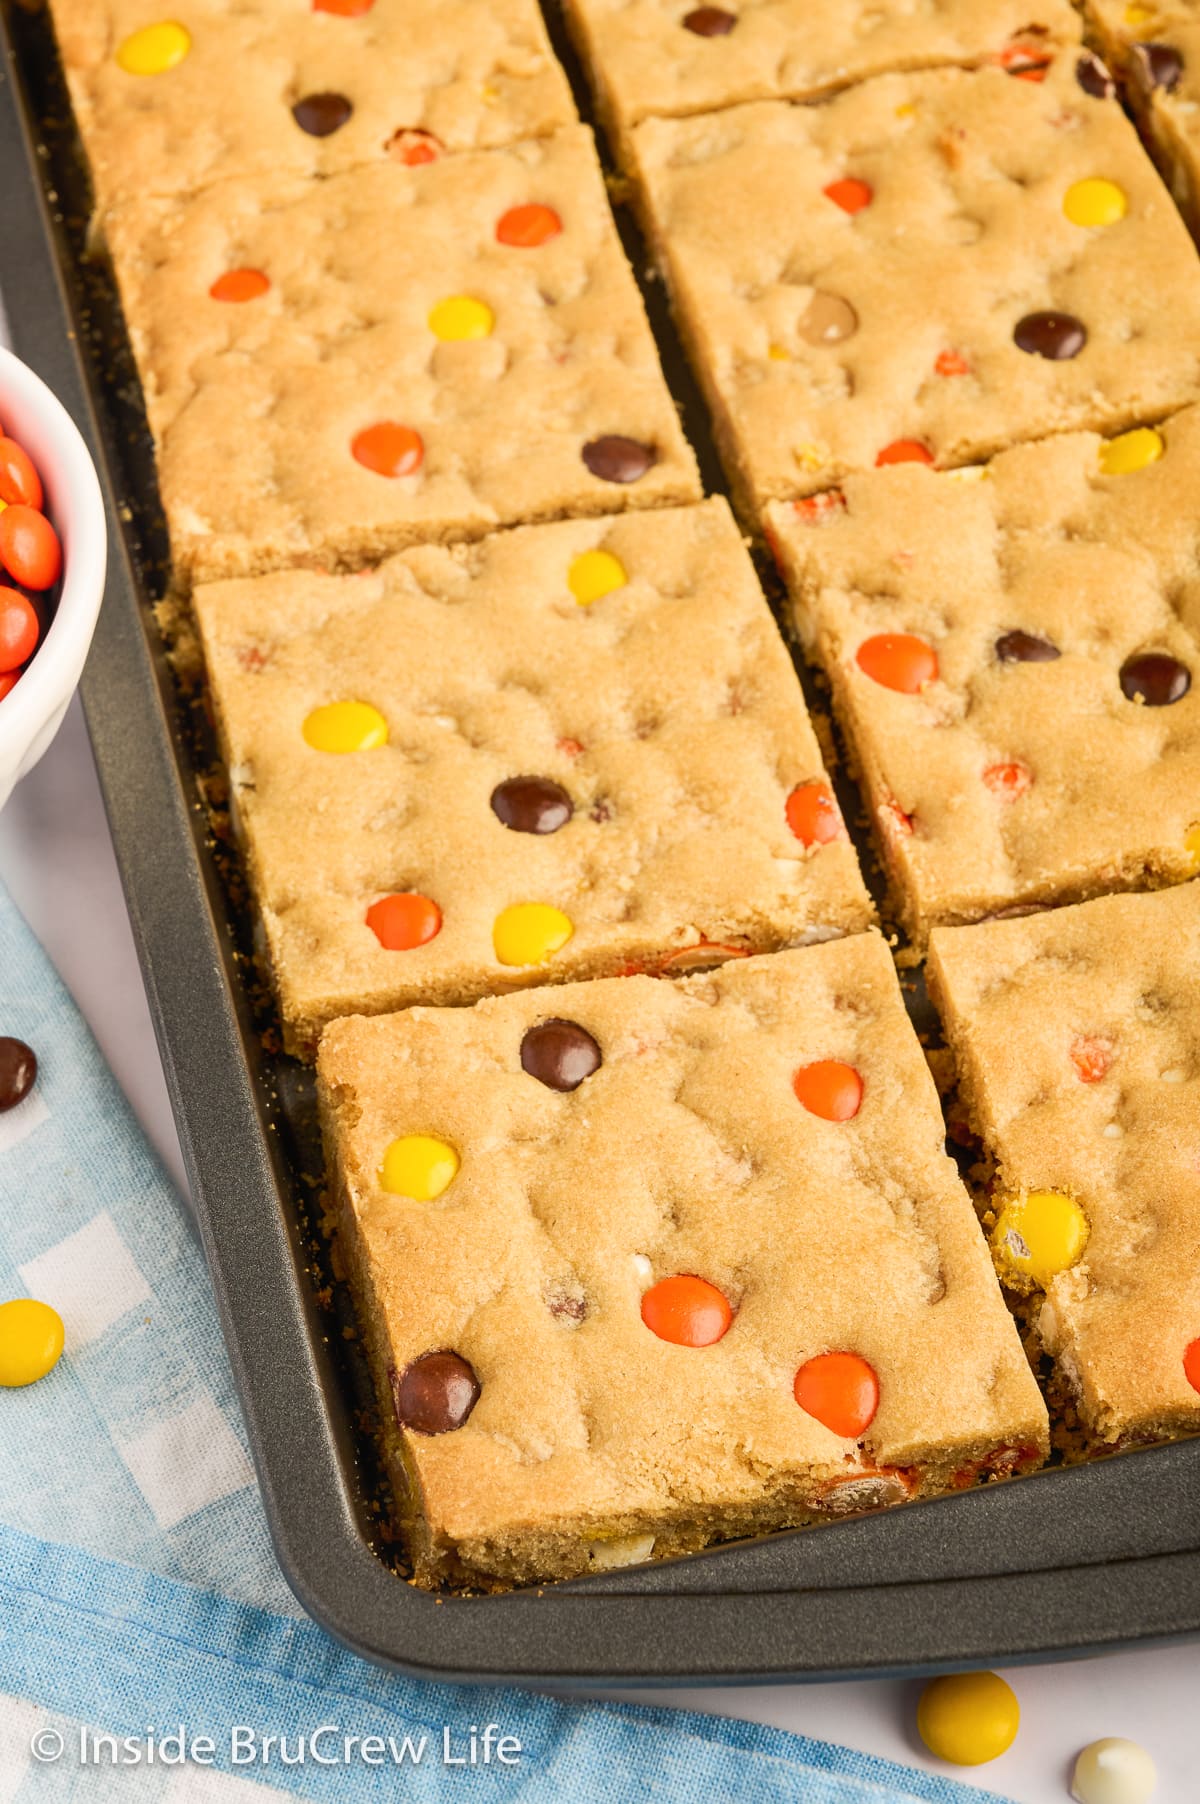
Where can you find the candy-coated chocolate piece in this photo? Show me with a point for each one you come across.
(19, 480)
(560, 1054)
(18, 1071)
(1019, 647)
(532, 804)
(1153, 678)
(840, 1390)
(1092, 1057)
(830, 1089)
(343, 9)
(1040, 1234)
(436, 1393)
(1158, 66)
(529, 933)
(827, 320)
(813, 815)
(1114, 1771)
(418, 1166)
(240, 285)
(155, 48)
(8, 681)
(29, 547)
(18, 629)
(904, 451)
(1095, 201)
(898, 661)
(403, 921)
(710, 21)
(1131, 451)
(1055, 336)
(1191, 843)
(849, 193)
(412, 148)
(31, 1341)
(461, 316)
(686, 1310)
(594, 574)
(345, 727)
(951, 363)
(1191, 1364)
(389, 449)
(320, 115)
(1008, 781)
(968, 1718)
(528, 226)
(1093, 77)
(614, 458)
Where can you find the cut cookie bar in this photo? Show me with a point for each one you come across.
(1015, 657)
(335, 369)
(1077, 1038)
(566, 751)
(1156, 51)
(644, 1265)
(167, 104)
(650, 57)
(924, 268)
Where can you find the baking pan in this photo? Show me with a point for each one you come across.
(1066, 1562)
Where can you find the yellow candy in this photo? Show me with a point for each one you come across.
(778, 354)
(529, 933)
(345, 727)
(1131, 451)
(1138, 15)
(968, 1717)
(1051, 1229)
(461, 316)
(155, 48)
(810, 457)
(31, 1341)
(419, 1167)
(594, 574)
(1095, 202)
(1191, 845)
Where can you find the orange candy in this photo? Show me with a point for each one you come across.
(1091, 1056)
(29, 547)
(819, 510)
(525, 228)
(404, 921)
(829, 1089)
(849, 194)
(689, 1312)
(343, 9)
(8, 682)
(1191, 1365)
(951, 363)
(840, 1390)
(19, 630)
(412, 147)
(240, 285)
(389, 449)
(898, 661)
(904, 451)
(19, 481)
(1008, 781)
(812, 814)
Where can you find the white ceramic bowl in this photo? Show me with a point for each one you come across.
(32, 711)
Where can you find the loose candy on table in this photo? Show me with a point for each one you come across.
(968, 1718)
(31, 1341)
(18, 1071)
(1114, 1771)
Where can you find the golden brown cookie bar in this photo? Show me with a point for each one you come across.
(1077, 1038)
(167, 103)
(1156, 51)
(336, 369)
(562, 752)
(1015, 657)
(925, 268)
(649, 57)
(643, 1265)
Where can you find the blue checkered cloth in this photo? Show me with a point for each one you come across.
(138, 1593)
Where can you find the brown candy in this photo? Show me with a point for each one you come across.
(435, 1394)
(1056, 336)
(320, 115)
(827, 319)
(710, 21)
(1159, 66)
(532, 804)
(560, 1054)
(1155, 679)
(1093, 77)
(1019, 647)
(616, 459)
(18, 1072)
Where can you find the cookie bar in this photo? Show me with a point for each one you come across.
(221, 88)
(1156, 51)
(644, 1265)
(1077, 1040)
(336, 369)
(1012, 651)
(655, 57)
(924, 268)
(566, 751)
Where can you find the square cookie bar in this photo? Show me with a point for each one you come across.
(1014, 651)
(645, 1265)
(336, 369)
(1077, 1039)
(1156, 51)
(655, 57)
(167, 103)
(924, 268)
(565, 751)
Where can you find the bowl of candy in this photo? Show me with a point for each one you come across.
(52, 550)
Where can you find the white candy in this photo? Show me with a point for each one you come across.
(1114, 1771)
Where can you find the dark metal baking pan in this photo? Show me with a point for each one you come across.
(1067, 1562)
